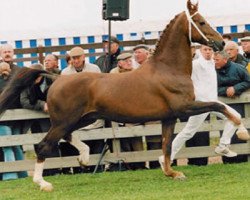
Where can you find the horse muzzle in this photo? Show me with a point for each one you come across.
(216, 45)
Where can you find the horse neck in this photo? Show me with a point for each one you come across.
(173, 48)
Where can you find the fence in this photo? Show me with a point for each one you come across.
(37, 54)
(115, 133)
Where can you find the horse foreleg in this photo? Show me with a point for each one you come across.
(38, 177)
(199, 107)
(242, 132)
(82, 148)
(167, 131)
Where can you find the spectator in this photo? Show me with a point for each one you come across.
(232, 49)
(34, 98)
(10, 128)
(78, 65)
(107, 62)
(245, 43)
(233, 79)
(141, 54)
(51, 63)
(128, 144)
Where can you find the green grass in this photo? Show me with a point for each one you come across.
(215, 182)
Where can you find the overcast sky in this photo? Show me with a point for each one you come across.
(21, 15)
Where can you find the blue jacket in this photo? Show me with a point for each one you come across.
(232, 74)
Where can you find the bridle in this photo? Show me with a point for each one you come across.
(190, 23)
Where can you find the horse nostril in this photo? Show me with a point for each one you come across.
(223, 43)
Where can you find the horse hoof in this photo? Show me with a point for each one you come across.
(83, 161)
(180, 177)
(243, 134)
(83, 158)
(46, 188)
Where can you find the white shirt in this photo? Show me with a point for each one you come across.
(204, 79)
(88, 67)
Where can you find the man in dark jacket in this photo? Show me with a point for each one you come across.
(107, 62)
(233, 79)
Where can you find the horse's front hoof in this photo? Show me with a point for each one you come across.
(175, 175)
(83, 158)
(46, 187)
(243, 134)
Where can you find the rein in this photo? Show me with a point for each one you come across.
(190, 23)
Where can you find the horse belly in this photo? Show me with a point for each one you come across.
(131, 111)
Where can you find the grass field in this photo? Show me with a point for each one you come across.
(215, 182)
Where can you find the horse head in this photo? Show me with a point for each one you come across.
(199, 29)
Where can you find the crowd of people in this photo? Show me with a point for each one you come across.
(224, 73)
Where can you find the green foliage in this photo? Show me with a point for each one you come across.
(215, 182)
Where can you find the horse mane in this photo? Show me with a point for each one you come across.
(164, 36)
(20, 80)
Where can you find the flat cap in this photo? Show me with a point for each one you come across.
(112, 39)
(140, 46)
(247, 38)
(124, 56)
(76, 51)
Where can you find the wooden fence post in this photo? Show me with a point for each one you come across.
(40, 54)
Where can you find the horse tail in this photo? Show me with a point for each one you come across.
(50, 76)
(20, 80)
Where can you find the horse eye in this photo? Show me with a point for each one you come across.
(202, 23)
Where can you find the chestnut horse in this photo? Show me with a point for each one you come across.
(161, 89)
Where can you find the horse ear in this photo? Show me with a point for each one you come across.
(192, 6)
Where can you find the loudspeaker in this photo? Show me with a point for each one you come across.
(115, 9)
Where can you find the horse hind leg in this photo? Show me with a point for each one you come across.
(83, 149)
(165, 162)
(38, 177)
(42, 151)
(44, 148)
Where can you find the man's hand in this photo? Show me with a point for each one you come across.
(45, 108)
(230, 92)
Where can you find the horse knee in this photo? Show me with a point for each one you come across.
(44, 149)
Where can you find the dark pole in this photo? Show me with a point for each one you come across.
(109, 47)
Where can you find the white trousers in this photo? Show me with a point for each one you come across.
(194, 123)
